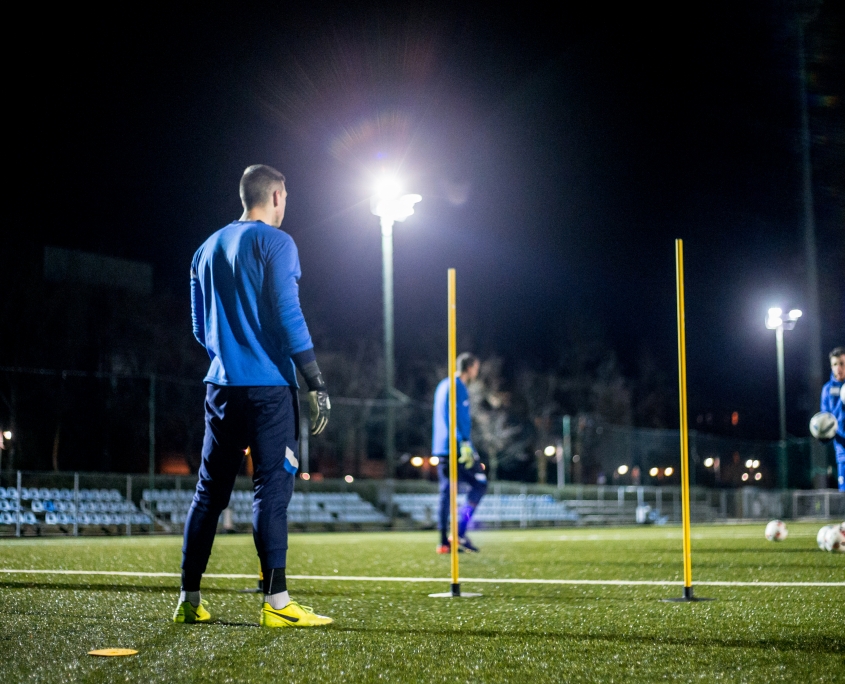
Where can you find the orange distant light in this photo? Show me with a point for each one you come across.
(735, 418)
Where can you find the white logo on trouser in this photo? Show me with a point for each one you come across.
(291, 462)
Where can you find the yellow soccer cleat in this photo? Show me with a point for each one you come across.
(292, 615)
(188, 614)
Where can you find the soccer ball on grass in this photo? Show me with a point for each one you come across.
(776, 530)
(834, 539)
(821, 535)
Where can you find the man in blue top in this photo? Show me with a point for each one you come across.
(470, 470)
(832, 403)
(246, 313)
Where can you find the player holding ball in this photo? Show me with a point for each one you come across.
(832, 403)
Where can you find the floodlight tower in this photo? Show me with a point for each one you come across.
(775, 320)
(390, 206)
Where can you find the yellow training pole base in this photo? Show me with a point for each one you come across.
(455, 593)
(688, 597)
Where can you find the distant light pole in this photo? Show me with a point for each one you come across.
(807, 12)
(775, 320)
(390, 207)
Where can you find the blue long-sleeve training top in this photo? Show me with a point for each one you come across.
(440, 418)
(245, 305)
(832, 403)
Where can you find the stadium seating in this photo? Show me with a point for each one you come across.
(170, 507)
(40, 510)
(521, 509)
(62, 507)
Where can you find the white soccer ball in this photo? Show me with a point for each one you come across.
(776, 530)
(821, 535)
(834, 539)
(823, 425)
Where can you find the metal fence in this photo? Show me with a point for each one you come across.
(715, 461)
(47, 503)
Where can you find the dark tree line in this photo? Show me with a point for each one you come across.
(78, 361)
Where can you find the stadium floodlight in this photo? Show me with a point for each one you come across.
(748, 463)
(654, 472)
(708, 462)
(668, 472)
(775, 320)
(6, 434)
(390, 206)
(755, 463)
(417, 461)
(622, 469)
(434, 460)
(549, 451)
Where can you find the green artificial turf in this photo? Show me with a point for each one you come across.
(392, 631)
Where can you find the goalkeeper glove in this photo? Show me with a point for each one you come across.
(467, 457)
(321, 408)
(318, 396)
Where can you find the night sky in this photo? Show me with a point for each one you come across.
(558, 157)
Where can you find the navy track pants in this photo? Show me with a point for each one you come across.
(265, 419)
(475, 479)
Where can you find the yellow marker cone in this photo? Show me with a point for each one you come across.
(112, 652)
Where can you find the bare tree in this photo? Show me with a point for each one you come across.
(537, 391)
(490, 417)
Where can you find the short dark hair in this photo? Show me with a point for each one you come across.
(257, 185)
(839, 351)
(465, 362)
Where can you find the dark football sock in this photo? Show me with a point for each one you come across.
(275, 581)
(191, 580)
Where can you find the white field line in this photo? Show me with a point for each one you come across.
(472, 580)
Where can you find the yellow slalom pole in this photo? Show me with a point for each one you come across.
(682, 387)
(453, 438)
(455, 590)
(260, 588)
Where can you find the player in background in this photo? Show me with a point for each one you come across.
(246, 313)
(832, 403)
(470, 470)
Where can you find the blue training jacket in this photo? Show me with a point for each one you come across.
(832, 403)
(245, 305)
(440, 419)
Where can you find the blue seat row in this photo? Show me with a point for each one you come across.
(54, 494)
